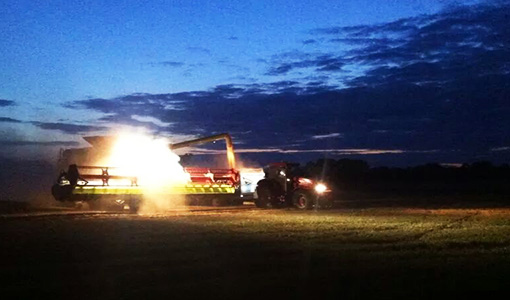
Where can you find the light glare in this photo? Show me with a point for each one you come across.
(149, 159)
(320, 188)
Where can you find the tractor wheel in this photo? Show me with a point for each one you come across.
(264, 197)
(302, 200)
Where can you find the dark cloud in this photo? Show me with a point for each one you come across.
(38, 143)
(320, 63)
(403, 116)
(233, 38)
(68, 128)
(234, 66)
(199, 50)
(132, 121)
(173, 64)
(309, 41)
(407, 24)
(4, 102)
(9, 120)
(363, 40)
(436, 84)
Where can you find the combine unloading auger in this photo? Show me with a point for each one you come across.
(228, 141)
(204, 185)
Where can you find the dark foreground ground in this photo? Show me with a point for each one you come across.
(381, 250)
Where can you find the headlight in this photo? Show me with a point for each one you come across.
(320, 188)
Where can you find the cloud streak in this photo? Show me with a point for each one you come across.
(294, 151)
(38, 143)
(5, 102)
(9, 120)
(172, 64)
(68, 128)
(327, 136)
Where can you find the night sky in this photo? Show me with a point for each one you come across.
(398, 82)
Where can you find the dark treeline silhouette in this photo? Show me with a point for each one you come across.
(28, 180)
(356, 175)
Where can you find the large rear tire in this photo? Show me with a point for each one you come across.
(302, 200)
(264, 198)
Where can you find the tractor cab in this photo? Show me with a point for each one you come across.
(283, 173)
(282, 186)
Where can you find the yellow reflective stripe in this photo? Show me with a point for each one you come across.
(107, 190)
(136, 190)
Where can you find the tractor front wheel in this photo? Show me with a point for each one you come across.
(302, 200)
(264, 197)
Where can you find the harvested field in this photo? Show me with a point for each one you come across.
(252, 253)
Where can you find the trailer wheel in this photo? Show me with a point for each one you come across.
(218, 202)
(95, 204)
(134, 205)
(302, 200)
(264, 197)
(204, 201)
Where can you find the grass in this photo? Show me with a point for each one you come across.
(348, 253)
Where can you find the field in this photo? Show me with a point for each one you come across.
(347, 252)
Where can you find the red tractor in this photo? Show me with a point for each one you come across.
(282, 187)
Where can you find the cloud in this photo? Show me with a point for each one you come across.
(320, 63)
(38, 143)
(405, 24)
(501, 149)
(9, 120)
(173, 64)
(4, 102)
(201, 50)
(436, 81)
(446, 39)
(236, 67)
(68, 128)
(326, 136)
(293, 151)
(233, 38)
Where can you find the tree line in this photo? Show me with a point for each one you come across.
(353, 174)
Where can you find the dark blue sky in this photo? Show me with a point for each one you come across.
(393, 82)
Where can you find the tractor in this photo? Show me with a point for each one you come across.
(282, 187)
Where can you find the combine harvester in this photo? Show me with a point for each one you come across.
(102, 187)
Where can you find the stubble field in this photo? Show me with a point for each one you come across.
(381, 252)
